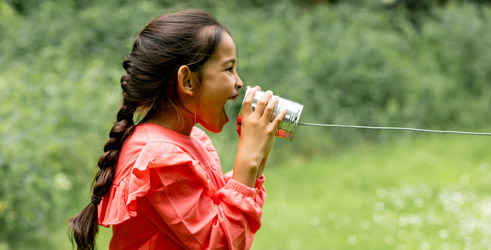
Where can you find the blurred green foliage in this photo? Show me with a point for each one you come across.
(352, 62)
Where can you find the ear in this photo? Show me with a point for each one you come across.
(186, 80)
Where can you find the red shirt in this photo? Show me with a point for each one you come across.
(169, 193)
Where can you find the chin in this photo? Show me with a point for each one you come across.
(214, 128)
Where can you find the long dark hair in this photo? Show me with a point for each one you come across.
(149, 85)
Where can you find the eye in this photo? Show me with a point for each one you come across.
(230, 69)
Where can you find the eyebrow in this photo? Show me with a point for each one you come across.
(229, 61)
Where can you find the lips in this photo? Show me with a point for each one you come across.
(234, 97)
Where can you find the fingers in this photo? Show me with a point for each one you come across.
(277, 120)
(268, 111)
(248, 99)
(263, 102)
(264, 107)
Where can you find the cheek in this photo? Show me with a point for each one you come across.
(216, 88)
(221, 88)
(213, 98)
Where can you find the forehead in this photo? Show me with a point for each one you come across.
(225, 51)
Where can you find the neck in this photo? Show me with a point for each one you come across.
(180, 121)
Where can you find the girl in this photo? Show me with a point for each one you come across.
(160, 183)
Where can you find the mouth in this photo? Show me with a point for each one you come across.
(233, 97)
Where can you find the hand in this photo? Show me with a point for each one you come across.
(238, 123)
(256, 139)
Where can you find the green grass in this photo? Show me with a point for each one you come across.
(419, 192)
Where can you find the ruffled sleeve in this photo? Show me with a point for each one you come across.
(120, 203)
(258, 193)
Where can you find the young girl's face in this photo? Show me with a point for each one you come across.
(219, 83)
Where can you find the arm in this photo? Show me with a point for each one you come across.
(256, 137)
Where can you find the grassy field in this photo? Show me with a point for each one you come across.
(419, 192)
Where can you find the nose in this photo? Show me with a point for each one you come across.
(238, 82)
